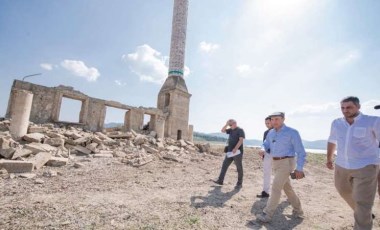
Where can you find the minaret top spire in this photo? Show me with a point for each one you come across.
(177, 48)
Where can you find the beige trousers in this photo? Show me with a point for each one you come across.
(358, 188)
(281, 181)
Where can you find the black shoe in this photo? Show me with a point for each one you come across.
(263, 195)
(373, 216)
(217, 182)
(238, 186)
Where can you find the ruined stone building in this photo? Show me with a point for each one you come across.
(169, 119)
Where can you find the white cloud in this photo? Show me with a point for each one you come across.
(208, 47)
(119, 83)
(149, 64)
(186, 72)
(349, 57)
(367, 107)
(46, 66)
(244, 70)
(315, 109)
(331, 108)
(79, 68)
(280, 12)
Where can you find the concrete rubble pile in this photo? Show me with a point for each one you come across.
(54, 146)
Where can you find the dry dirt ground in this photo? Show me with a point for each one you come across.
(107, 194)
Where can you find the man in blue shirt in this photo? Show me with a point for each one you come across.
(285, 146)
(356, 138)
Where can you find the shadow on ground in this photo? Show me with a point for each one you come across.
(279, 220)
(214, 198)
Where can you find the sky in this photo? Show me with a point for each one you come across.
(244, 58)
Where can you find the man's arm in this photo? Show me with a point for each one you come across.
(330, 152)
(224, 129)
(377, 128)
(301, 154)
(240, 142)
(264, 148)
(331, 147)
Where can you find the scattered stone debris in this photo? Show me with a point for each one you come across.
(57, 161)
(39, 181)
(4, 173)
(27, 175)
(50, 173)
(13, 166)
(78, 165)
(40, 159)
(57, 145)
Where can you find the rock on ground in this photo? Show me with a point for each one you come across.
(13, 166)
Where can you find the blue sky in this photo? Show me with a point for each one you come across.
(245, 59)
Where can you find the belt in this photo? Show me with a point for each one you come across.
(280, 158)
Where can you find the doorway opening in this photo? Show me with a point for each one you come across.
(179, 134)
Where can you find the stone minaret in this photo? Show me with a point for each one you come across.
(173, 98)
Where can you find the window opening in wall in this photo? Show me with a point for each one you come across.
(114, 118)
(147, 124)
(70, 110)
(167, 99)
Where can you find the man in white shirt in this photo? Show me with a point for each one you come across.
(356, 137)
(267, 164)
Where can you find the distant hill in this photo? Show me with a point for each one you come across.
(222, 137)
(112, 125)
(210, 137)
(318, 144)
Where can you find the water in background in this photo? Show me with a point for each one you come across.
(318, 151)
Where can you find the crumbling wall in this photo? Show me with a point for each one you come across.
(47, 102)
(43, 101)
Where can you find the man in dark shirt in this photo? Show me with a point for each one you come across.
(235, 142)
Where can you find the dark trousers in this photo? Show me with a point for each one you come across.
(239, 166)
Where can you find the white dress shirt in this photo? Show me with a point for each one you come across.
(357, 144)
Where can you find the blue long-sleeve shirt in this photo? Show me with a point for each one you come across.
(286, 142)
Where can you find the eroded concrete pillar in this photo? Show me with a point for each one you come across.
(20, 112)
(159, 126)
(134, 119)
(190, 133)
